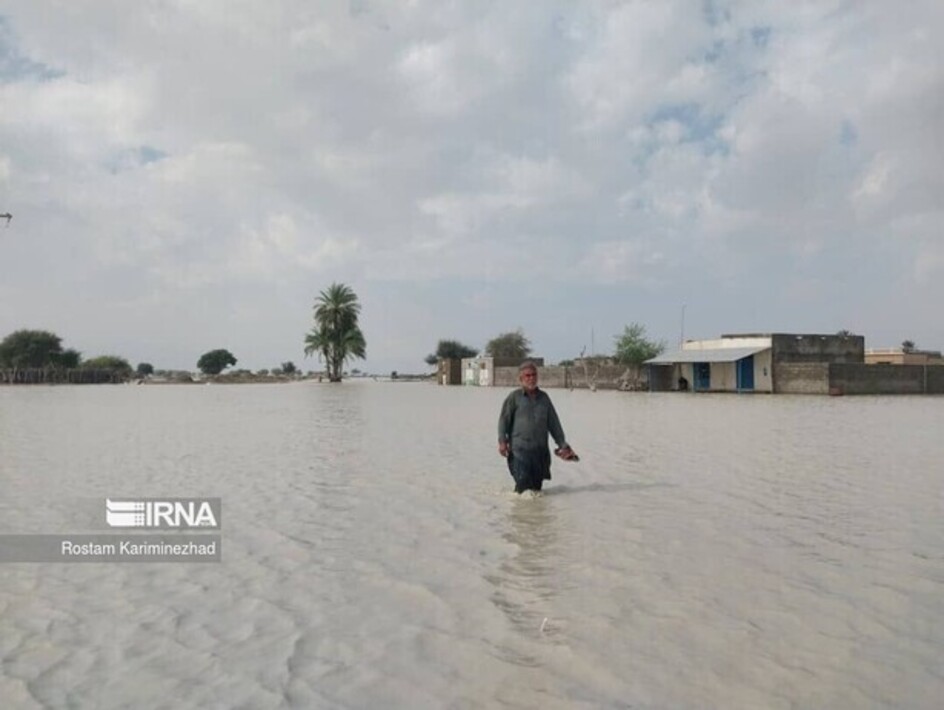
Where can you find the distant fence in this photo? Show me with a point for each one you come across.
(886, 379)
(52, 376)
(604, 377)
(857, 378)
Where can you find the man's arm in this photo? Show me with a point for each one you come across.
(557, 431)
(505, 422)
(554, 426)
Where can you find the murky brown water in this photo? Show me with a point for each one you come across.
(707, 551)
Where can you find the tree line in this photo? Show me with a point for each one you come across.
(631, 347)
(37, 356)
(335, 338)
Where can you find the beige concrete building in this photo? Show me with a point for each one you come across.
(754, 362)
(449, 371)
(897, 356)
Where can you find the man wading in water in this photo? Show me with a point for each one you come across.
(527, 417)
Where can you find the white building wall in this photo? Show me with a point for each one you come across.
(763, 371)
(723, 377)
(724, 374)
(486, 368)
(478, 371)
(470, 371)
(758, 342)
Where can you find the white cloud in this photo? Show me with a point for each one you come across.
(428, 70)
(873, 183)
(237, 156)
(644, 54)
(618, 261)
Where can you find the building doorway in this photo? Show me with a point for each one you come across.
(745, 374)
(702, 375)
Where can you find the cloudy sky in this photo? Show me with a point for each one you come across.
(189, 174)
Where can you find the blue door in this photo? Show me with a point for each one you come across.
(702, 373)
(745, 374)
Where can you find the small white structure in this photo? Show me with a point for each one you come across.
(727, 364)
(480, 371)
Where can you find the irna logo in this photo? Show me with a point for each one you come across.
(180, 513)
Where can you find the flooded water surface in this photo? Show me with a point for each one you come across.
(706, 552)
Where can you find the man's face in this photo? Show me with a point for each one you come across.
(529, 379)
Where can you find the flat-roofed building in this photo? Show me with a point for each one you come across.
(900, 356)
(752, 362)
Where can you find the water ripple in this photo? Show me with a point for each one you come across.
(706, 551)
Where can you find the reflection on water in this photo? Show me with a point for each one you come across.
(525, 584)
(603, 488)
(706, 552)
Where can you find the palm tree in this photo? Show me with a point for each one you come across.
(336, 336)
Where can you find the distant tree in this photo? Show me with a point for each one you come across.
(633, 349)
(215, 361)
(30, 349)
(263, 373)
(450, 349)
(107, 362)
(68, 359)
(393, 375)
(144, 369)
(845, 333)
(336, 336)
(289, 368)
(510, 345)
(566, 363)
(116, 364)
(907, 346)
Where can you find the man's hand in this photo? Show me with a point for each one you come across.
(503, 448)
(567, 453)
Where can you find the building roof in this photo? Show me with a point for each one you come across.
(902, 351)
(706, 355)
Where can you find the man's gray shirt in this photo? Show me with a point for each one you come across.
(526, 421)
